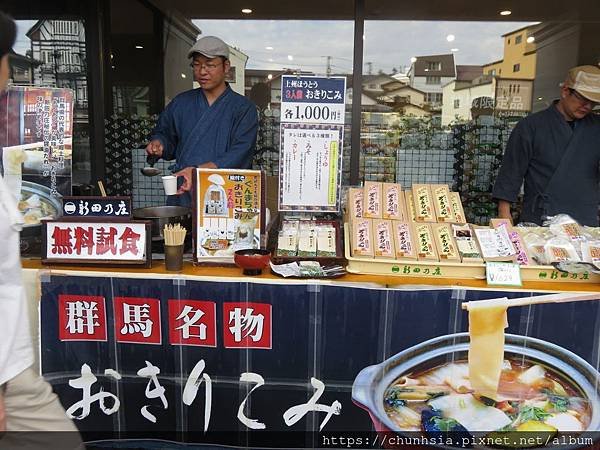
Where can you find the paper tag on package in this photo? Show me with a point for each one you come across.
(228, 212)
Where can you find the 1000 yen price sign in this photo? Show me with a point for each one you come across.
(313, 113)
(309, 112)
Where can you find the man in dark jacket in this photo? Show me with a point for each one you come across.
(211, 127)
(556, 153)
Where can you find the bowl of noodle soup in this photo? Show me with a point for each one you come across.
(425, 391)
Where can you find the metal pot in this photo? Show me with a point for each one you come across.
(163, 215)
(371, 382)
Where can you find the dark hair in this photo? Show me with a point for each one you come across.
(8, 33)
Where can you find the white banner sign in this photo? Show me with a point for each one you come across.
(310, 166)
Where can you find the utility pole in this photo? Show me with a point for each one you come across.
(328, 65)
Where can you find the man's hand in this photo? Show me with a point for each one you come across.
(154, 148)
(504, 210)
(187, 176)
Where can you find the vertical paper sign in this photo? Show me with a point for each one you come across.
(36, 141)
(312, 136)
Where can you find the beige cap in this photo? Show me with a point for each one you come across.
(210, 46)
(586, 81)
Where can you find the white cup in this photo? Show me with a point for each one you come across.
(170, 184)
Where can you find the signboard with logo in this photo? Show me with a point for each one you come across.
(312, 137)
(118, 207)
(96, 242)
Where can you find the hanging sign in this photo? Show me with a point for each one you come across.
(312, 136)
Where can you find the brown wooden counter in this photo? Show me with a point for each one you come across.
(391, 281)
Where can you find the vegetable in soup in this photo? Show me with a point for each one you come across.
(530, 397)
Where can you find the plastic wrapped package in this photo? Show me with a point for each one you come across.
(559, 249)
(590, 252)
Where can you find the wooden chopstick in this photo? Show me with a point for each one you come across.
(563, 297)
(102, 190)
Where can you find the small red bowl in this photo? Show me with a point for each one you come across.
(252, 260)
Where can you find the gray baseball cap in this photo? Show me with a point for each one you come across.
(210, 46)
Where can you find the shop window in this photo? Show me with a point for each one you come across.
(264, 57)
(53, 62)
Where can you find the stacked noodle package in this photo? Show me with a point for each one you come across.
(389, 223)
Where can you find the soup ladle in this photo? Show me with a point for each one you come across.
(150, 170)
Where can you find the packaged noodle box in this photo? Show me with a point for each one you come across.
(403, 240)
(372, 200)
(515, 238)
(424, 210)
(229, 212)
(441, 203)
(383, 246)
(362, 237)
(410, 206)
(424, 242)
(457, 208)
(326, 241)
(393, 201)
(287, 242)
(466, 244)
(444, 242)
(355, 203)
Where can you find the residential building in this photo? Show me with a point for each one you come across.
(429, 73)
(21, 69)
(458, 97)
(373, 84)
(519, 56)
(507, 96)
(403, 94)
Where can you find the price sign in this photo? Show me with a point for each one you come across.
(312, 136)
(503, 274)
(312, 99)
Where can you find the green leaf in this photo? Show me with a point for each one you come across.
(532, 413)
(444, 424)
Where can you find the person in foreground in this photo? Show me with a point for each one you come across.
(556, 152)
(27, 402)
(211, 127)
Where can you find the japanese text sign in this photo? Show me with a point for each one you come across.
(228, 213)
(119, 207)
(312, 137)
(503, 273)
(309, 167)
(96, 242)
(312, 99)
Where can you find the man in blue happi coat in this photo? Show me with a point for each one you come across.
(210, 127)
(556, 153)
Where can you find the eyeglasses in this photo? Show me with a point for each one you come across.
(206, 66)
(581, 98)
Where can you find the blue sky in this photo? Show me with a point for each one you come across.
(388, 44)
